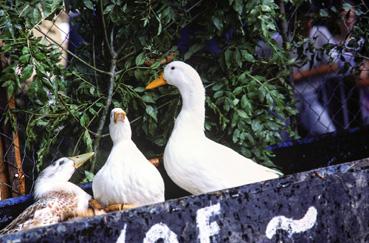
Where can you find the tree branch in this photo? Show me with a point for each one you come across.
(113, 73)
(284, 24)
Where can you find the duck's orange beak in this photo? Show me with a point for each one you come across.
(160, 81)
(119, 116)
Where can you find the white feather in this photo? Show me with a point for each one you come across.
(194, 162)
(127, 176)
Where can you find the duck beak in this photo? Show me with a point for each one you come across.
(79, 160)
(160, 81)
(119, 116)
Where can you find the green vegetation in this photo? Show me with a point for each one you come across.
(248, 100)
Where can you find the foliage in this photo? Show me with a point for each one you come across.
(248, 98)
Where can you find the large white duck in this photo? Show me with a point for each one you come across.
(194, 162)
(127, 177)
(57, 199)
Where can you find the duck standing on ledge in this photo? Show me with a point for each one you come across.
(127, 178)
(57, 199)
(194, 162)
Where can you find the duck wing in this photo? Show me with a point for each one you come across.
(54, 208)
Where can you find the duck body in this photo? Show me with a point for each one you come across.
(194, 162)
(56, 199)
(126, 180)
(199, 165)
(52, 208)
(127, 177)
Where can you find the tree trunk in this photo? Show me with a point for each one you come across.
(4, 182)
(14, 159)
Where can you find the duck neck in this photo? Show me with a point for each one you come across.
(45, 186)
(193, 107)
(118, 148)
(120, 132)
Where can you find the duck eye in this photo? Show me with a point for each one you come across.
(172, 68)
(61, 162)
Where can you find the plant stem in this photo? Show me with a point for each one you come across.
(112, 74)
(284, 24)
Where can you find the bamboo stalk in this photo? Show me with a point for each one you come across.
(19, 178)
(4, 182)
(11, 157)
(4, 178)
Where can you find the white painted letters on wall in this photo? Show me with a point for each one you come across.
(122, 236)
(290, 225)
(207, 229)
(160, 231)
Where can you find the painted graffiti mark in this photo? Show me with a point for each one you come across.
(207, 229)
(122, 236)
(160, 231)
(290, 225)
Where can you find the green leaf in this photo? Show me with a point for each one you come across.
(247, 56)
(192, 50)
(256, 126)
(160, 27)
(40, 56)
(24, 58)
(237, 90)
(323, 13)
(139, 89)
(152, 112)
(36, 16)
(242, 114)
(238, 58)
(41, 123)
(89, 176)
(10, 88)
(228, 57)
(140, 59)
(88, 4)
(236, 135)
(108, 8)
(25, 50)
(218, 94)
(155, 65)
(84, 120)
(217, 22)
(87, 139)
(27, 72)
(346, 6)
(235, 102)
(217, 86)
(148, 99)
(238, 6)
(92, 90)
(245, 103)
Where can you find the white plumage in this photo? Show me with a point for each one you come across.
(127, 177)
(194, 162)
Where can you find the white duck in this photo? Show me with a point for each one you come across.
(57, 199)
(127, 177)
(194, 162)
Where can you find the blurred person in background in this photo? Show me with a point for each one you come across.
(327, 55)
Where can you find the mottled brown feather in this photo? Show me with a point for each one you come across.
(54, 207)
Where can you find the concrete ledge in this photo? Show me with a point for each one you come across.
(324, 205)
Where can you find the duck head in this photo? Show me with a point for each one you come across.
(179, 74)
(119, 127)
(59, 172)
